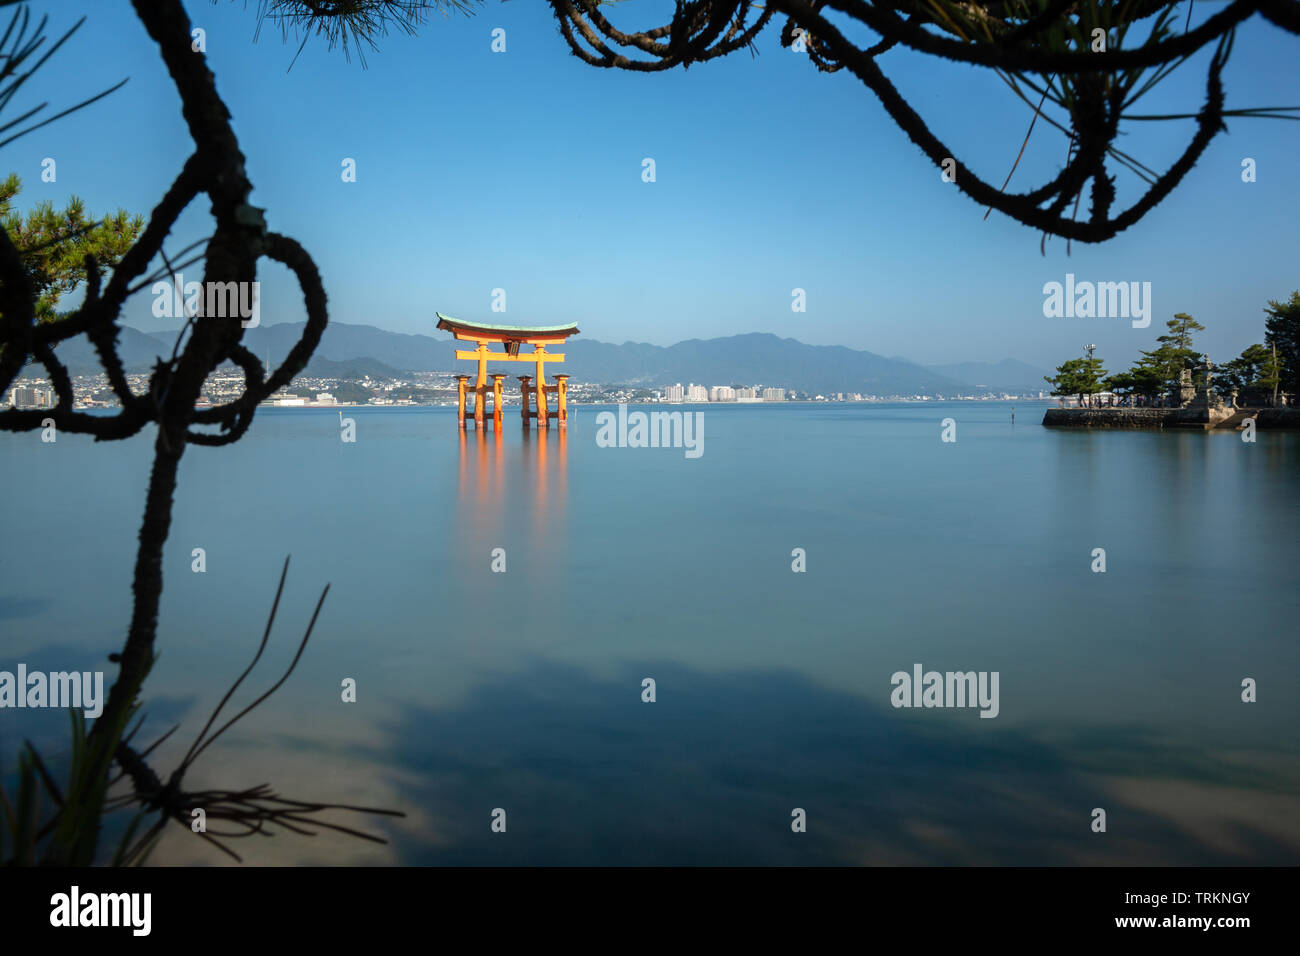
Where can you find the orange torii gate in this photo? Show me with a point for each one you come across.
(511, 336)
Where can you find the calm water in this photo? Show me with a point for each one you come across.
(522, 690)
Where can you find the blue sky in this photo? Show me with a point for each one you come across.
(522, 170)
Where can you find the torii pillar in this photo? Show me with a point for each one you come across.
(543, 419)
(561, 383)
(460, 400)
(525, 394)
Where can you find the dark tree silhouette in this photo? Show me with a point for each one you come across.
(240, 238)
(1085, 57)
(1043, 47)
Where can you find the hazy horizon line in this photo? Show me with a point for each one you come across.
(892, 358)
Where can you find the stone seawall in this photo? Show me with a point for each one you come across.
(1108, 417)
(1265, 418)
(1278, 418)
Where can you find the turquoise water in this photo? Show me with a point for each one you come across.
(522, 690)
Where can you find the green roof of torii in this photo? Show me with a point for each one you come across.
(523, 331)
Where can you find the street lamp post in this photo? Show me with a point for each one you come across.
(1088, 349)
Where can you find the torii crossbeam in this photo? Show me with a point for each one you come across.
(510, 336)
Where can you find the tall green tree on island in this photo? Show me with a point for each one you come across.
(1174, 354)
(1081, 377)
(1142, 379)
(1256, 369)
(1282, 330)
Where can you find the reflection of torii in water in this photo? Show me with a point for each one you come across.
(511, 336)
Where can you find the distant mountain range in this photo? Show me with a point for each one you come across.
(349, 351)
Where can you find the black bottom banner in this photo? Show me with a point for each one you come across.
(221, 905)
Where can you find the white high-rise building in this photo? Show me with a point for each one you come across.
(774, 395)
(674, 393)
(32, 396)
(697, 393)
(722, 393)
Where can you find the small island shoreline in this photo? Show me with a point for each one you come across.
(1204, 419)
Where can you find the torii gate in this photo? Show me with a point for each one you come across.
(511, 336)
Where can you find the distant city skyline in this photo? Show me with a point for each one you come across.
(349, 351)
(1111, 363)
(521, 171)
